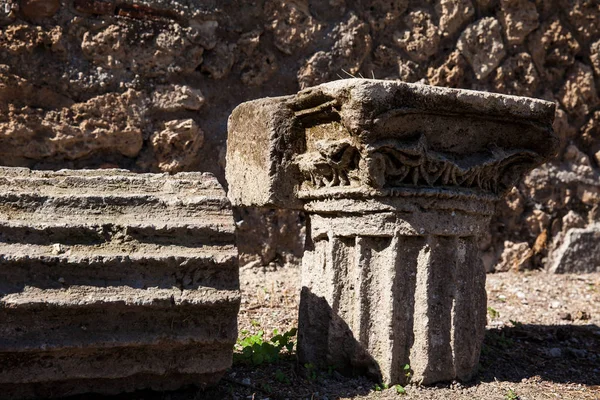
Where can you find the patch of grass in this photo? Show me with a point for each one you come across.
(516, 324)
(256, 350)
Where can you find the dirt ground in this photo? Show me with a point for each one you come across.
(542, 342)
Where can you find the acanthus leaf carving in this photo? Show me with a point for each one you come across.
(394, 163)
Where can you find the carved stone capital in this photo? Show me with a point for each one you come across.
(399, 181)
(365, 139)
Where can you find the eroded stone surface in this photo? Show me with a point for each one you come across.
(517, 76)
(421, 38)
(553, 49)
(113, 281)
(578, 95)
(519, 18)
(453, 14)
(482, 45)
(391, 273)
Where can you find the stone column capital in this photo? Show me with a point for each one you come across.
(362, 139)
(399, 182)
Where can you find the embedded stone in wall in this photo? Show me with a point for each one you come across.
(481, 44)
(395, 206)
(112, 281)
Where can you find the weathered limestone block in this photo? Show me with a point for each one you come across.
(112, 281)
(580, 251)
(399, 181)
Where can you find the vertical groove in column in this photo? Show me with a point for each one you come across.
(469, 309)
(341, 342)
(364, 281)
(380, 301)
(407, 249)
(432, 355)
(314, 314)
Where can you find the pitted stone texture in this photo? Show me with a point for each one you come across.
(553, 49)
(517, 76)
(453, 14)
(578, 95)
(113, 281)
(382, 14)
(291, 23)
(421, 38)
(519, 18)
(352, 44)
(584, 16)
(450, 73)
(482, 45)
(395, 206)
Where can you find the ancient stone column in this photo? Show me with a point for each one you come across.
(398, 181)
(112, 281)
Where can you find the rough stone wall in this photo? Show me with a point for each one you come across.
(148, 84)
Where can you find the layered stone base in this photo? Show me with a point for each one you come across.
(112, 281)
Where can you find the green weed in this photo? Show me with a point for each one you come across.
(256, 350)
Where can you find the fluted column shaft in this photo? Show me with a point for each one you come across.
(379, 293)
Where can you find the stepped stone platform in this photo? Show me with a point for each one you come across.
(112, 281)
(399, 182)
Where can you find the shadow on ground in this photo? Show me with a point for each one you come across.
(561, 354)
(556, 353)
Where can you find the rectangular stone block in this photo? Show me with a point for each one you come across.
(112, 281)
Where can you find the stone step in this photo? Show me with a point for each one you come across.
(138, 265)
(127, 363)
(23, 180)
(113, 281)
(98, 322)
(188, 231)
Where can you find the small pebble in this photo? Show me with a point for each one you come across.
(565, 316)
(555, 352)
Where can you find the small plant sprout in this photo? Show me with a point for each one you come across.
(511, 395)
(311, 371)
(516, 324)
(407, 372)
(281, 377)
(400, 389)
(493, 313)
